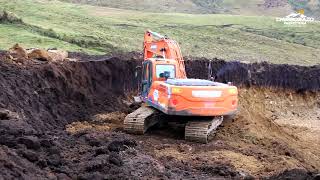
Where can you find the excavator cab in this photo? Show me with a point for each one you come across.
(166, 89)
(156, 69)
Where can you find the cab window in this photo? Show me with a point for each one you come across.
(162, 68)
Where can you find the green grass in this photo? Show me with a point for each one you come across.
(240, 7)
(97, 30)
(185, 6)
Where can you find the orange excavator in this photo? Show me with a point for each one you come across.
(166, 89)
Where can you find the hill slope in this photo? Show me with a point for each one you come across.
(189, 6)
(100, 30)
(193, 6)
(239, 7)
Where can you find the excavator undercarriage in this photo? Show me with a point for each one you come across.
(200, 129)
(140, 120)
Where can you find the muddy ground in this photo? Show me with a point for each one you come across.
(63, 120)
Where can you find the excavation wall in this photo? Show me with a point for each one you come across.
(51, 95)
(299, 78)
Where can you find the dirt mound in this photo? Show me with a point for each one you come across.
(56, 94)
(38, 100)
(265, 130)
(64, 121)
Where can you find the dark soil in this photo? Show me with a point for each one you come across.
(298, 174)
(298, 78)
(37, 101)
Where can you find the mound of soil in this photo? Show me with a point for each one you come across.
(64, 121)
(38, 100)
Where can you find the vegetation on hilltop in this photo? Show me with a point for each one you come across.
(99, 30)
(240, 7)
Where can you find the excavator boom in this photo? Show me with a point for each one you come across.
(158, 46)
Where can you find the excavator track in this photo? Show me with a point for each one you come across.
(202, 130)
(140, 120)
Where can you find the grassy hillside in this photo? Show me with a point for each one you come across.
(243, 7)
(50, 23)
(237, 7)
(187, 6)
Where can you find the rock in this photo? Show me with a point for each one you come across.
(115, 159)
(292, 174)
(102, 150)
(17, 127)
(316, 177)
(57, 55)
(42, 163)
(132, 151)
(127, 103)
(46, 143)
(246, 176)
(51, 176)
(30, 155)
(97, 163)
(184, 148)
(92, 140)
(18, 53)
(290, 97)
(54, 160)
(54, 150)
(39, 54)
(6, 114)
(8, 140)
(95, 175)
(9, 57)
(62, 176)
(221, 170)
(31, 142)
(117, 146)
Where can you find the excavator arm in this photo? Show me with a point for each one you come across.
(158, 46)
